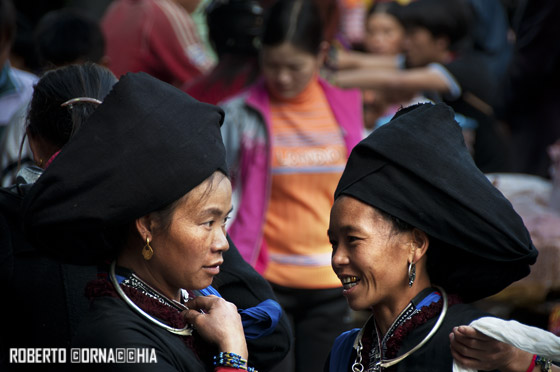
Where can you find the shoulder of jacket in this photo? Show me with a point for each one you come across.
(235, 101)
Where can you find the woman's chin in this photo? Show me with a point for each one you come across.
(200, 285)
(357, 305)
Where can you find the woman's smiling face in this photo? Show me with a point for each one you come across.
(369, 257)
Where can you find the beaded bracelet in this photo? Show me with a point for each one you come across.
(545, 364)
(232, 360)
(532, 365)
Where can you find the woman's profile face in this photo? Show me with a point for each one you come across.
(384, 34)
(188, 254)
(368, 256)
(287, 70)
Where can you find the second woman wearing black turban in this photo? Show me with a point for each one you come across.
(418, 232)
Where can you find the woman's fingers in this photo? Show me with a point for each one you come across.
(475, 350)
(217, 321)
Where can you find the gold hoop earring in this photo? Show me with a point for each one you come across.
(147, 251)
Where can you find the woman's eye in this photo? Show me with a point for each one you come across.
(226, 220)
(208, 223)
(352, 239)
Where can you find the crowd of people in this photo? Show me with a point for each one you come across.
(234, 184)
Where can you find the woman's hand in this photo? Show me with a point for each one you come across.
(473, 349)
(218, 322)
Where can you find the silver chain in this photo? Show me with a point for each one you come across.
(358, 366)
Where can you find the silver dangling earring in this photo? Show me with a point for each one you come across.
(411, 273)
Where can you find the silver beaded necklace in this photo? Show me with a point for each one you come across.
(186, 331)
(386, 363)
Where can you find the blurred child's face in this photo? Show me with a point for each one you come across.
(288, 70)
(384, 34)
(422, 48)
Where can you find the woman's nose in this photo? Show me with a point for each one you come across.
(339, 258)
(221, 243)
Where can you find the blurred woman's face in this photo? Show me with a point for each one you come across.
(288, 70)
(368, 256)
(188, 253)
(384, 35)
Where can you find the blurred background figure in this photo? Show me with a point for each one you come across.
(234, 29)
(352, 19)
(384, 34)
(69, 36)
(531, 113)
(158, 37)
(440, 62)
(287, 138)
(492, 35)
(28, 13)
(16, 86)
(63, 36)
(24, 54)
(24, 269)
(352, 27)
(530, 90)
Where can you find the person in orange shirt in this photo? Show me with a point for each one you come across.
(287, 140)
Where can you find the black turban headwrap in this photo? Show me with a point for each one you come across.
(417, 168)
(144, 147)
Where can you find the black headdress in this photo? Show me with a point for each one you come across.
(144, 147)
(418, 169)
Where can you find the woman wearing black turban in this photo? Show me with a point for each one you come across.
(418, 232)
(143, 183)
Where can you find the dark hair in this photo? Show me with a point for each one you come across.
(56, 124)
(297, 22)
(449, 18)
(68, 36)
(7, 23)
(388, 7)
(235, 26)
(330, 12)
(398, 225)
(164, 215)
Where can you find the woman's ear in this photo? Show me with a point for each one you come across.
(34, 146)
(420, 243)
(144, 227)
(41, 149)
